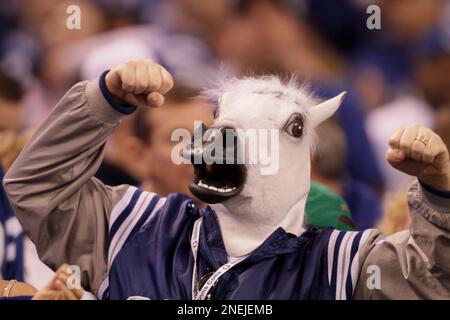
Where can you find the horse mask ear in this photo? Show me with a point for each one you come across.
(326, 109)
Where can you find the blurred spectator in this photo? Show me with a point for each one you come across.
(326, 209)
(11, 234)
(118, 167)
(195, 17)
(405, 27)
(340, 23)
(328, 167)
(11, 144)
(11, 110)
(442, 124)
(11, 240)
(54, 76)
(432, 74)
(361, 163)
(53, 31)
(266, 38)
(18, 256)
(411, 20)
(330, 156)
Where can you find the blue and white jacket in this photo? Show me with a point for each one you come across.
(149, 256)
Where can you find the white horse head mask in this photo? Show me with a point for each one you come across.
(250, 202)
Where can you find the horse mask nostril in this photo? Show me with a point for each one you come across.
(205, 139)
(228, 134)
(193, 151)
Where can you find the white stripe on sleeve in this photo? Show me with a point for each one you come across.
(355, 267)
(340, 265)
(331, 245)
(125, 228)
(121, 205)
(346, 260)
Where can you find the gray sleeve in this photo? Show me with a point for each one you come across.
(412, 264)
(51, 188)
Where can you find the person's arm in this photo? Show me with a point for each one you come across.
(11, 289)
(413, 264)
(58, 288)
(51, 188)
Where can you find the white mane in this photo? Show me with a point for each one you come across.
(291, 90)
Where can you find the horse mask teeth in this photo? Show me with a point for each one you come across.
(214, 181)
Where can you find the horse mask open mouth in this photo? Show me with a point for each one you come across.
(218, 175)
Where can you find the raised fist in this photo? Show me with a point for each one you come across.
(418, 151)
(139, 83)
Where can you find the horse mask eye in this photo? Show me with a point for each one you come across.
(294, 126)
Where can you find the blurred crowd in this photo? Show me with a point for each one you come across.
(397, 75)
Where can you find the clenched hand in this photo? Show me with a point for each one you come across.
(139, 83)
(418, 151)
